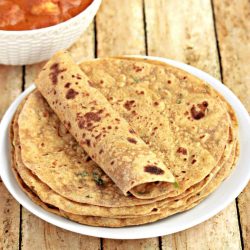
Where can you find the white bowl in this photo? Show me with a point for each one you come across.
(32, 46)
(213, 204)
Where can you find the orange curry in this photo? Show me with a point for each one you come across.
(36, 14)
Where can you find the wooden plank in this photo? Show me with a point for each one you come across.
(10, 85)
(84, 48)
(10, 88)
(233, 30)
(44, 235)
(150, 244)
(184, 30)
(216, 233)
(38, 234)
(120, 30)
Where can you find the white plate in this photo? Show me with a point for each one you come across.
(212, 205)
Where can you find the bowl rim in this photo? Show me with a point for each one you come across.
(93, 4)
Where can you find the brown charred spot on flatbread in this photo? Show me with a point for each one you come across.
(54, 72)
(156, 103)
(101, 151)
(131, 140)
(169, 81)
(71, 94)
(230, 138)
(182, 150)
(67, 85)
(87, 120)
(67, 125)
(193, 161)
(129, 104)
(154, 209)
(98, 136)
(90, 83)
(139, 92)
(88, 159)
(199, 111)
(137, 68)
(153, 170)
(78, 76)
(112, 162)
(87, 141)
(131, 131)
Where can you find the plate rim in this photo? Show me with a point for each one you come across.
(137, 232)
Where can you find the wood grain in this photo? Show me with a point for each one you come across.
(44, 235)
(10, 88)
(184, 30)
(232, 19)
(120, 30)
(150, 244)
(38, 234)
(216, 233)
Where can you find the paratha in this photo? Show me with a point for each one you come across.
(98, 128)
(48, 196)
(186, 124)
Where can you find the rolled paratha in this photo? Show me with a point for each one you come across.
(106, 136)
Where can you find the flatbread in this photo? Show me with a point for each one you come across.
(60, 176)
(49, 196)
(98, 128)
(157, 100)
(114, 222)
(60, 162)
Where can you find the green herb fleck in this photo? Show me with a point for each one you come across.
(136, 80)
(141, 193)
(179, 99)
(176, 185)
(98, 180)
(82, 174)
(88, 196)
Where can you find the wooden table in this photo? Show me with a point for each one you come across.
(213, 36)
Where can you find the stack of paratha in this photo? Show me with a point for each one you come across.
(121, 141)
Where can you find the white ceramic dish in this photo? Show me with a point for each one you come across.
(213, 204)
(32, 46)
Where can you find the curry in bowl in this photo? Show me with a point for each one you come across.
(36, 14)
